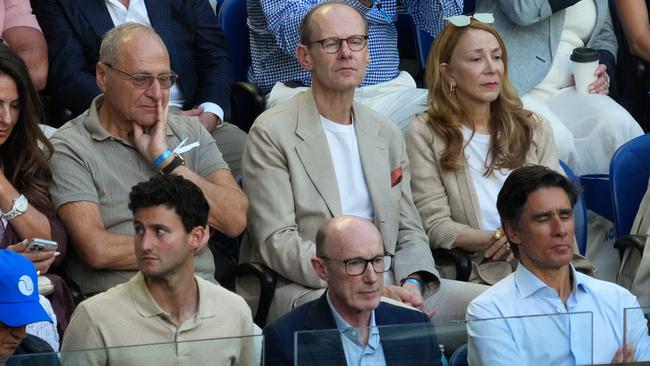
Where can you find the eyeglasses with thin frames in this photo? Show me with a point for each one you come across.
(464, 20)
(333, 44)
(143, 81)
(358, 266)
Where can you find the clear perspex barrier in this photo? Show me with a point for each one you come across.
(217, 351)
(557, 339)
(637, 332)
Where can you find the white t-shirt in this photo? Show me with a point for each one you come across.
(487, 188)
(344, 150)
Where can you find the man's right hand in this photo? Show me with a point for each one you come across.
(624, 354)
(152, 142)
(404, 296)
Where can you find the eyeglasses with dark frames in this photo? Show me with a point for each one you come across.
(333, 44)
(464, 20)
(143, 81)
(358, 266)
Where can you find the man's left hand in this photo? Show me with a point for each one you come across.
(209, 120)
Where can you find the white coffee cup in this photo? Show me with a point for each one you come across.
(585, 61)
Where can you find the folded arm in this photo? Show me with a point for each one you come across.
(97, 247)
(525, 12)
(413, 256)
(273, 227)
(633, 15)
(30, 45)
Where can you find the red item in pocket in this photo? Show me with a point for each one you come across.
(395, 176)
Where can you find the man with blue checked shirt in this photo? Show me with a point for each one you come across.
(536, 210)
(274, 27)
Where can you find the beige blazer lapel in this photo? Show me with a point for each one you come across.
(470, 200)
(314, 153)
(375, 160)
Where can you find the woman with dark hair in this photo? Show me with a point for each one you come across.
(25, 205)
(473, 135)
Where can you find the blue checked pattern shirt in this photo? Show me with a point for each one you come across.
(274, 27)
(372, 354)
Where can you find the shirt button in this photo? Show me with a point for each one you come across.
(558, 310)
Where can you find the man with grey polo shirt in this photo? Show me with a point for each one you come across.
(125, 137)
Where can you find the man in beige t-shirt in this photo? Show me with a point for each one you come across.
(164, 302)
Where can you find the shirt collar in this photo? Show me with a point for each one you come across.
(528, 284)
(350, 332)
(97, 131)
(147, 306)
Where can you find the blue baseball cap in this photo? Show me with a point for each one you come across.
(19, 304)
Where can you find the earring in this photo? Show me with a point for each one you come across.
(452, 89)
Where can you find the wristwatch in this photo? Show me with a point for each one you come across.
(19, 207)
(175, 163)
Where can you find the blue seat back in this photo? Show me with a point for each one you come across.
(459, 357)
(232, 16)
(629, 171)
(579, 211)
(424, 40)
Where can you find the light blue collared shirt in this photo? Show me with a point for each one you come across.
(356, 354)
(594, 329)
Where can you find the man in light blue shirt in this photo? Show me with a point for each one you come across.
(584, 320)
(357, 353)
(350, 257)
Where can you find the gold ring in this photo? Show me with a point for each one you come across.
(498, 234)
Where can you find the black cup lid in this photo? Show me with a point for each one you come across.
(584, 54)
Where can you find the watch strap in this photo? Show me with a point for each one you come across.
(15, 210)
(175, 163)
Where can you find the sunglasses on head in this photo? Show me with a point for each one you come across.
(464, 20)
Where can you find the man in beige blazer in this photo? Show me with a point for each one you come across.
(322, 155)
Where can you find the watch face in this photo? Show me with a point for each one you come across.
(21, 204)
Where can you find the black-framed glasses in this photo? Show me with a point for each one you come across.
(333, 44)
(464, 20)
(143, 81)
(357, 266)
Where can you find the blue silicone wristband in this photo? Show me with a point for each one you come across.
(417, 282)
(160, 159)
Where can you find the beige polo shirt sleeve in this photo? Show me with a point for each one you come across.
(82, 334)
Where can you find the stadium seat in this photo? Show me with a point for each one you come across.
(246, 100)
(579, 211)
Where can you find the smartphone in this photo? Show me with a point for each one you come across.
(41, 245)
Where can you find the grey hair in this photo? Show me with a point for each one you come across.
(112, 39)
